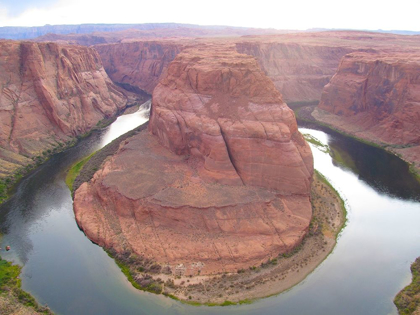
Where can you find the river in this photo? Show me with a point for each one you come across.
(369, 265)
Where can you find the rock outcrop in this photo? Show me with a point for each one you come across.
(299, 64)
(221, 184)
(223, 108)
(376, 97)
(49, 94)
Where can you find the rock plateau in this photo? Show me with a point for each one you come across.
(220, 182)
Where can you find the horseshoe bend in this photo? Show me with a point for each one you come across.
(221, 183)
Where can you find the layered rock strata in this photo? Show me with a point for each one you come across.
(223, 109)
(221, 184)
(376, 97)
(299, 70)
(299, 64)
(49, 94)
(138, 63)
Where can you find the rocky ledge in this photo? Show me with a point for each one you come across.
(220, 183)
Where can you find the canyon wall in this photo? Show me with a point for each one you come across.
(139, 63)
(115, 32)
(299, 70)
(300, 64)
(221, 182)
(49, 94)
(228, 112)
(376, 97)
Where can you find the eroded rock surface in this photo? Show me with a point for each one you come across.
(49, 94)
(222, 183)
(138, 63)
(299, 64)
(221, 107)
(376, 96)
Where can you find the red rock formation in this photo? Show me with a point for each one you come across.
(299, 64)
(376, 97)
(138, 63)
(299, 70)
(222, 108)
(49, 94)
(232, 190)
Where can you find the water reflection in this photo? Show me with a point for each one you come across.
(383, 171)
(125, 123)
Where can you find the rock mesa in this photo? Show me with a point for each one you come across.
(220, 182)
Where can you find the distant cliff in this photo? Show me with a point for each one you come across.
(299, 64)
(299, 70)
(49, 94)
(21, 32)
(138, 63)
(376, 97)
(108, 31)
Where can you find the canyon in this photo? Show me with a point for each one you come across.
(221, 182)
(49, 95)
(231, 188)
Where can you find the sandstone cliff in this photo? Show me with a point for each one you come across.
(376, 96)
(49, 94)
(138, 63)
(222, 184)
(299, 70)
(299, 64)
(228, 112)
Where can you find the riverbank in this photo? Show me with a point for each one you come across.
(310, 113)
(83, 170)
(408, 299)
(13, 300)
(270, 278)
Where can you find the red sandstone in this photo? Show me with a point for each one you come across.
(229, 187)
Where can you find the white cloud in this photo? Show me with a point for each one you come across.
(303, 14)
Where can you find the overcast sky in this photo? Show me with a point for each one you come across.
(279, 14)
